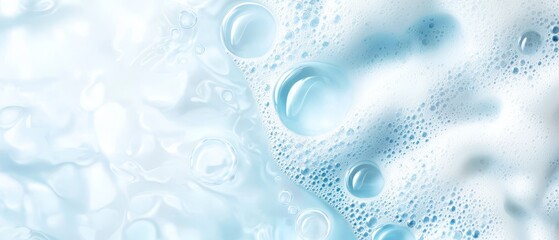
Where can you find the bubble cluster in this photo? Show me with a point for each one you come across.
(433, 88)
(410, 120)
(431, 31)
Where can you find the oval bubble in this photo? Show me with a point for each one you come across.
(529, 42)
(364, 180)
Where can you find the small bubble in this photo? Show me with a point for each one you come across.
(337, 19)
(289, 35)
(315, 22)
(293, 209)
(393, 232)
(313, 98)
(200, 49)
(529, 42)
(227, 95)
(175, 33)
(285, 197)
(188, 19)
(371, 222)
(213, 161)
(364, 180)
(313, 224)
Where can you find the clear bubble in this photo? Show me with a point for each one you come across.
(188, 19)
(248, 30)
(313, 225)
(200, 49)
(315, 22)
(213, 161)
(529, 42)
(312, 98)
(293, 209)
(393, 232)
(364, 180)
(227, 95)
(284, 197)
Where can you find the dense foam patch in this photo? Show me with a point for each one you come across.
(447, 104)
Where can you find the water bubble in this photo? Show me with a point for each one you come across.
(393, 232)
(10, 115)
(529, 42)
(293, 209)
(315, 22)
(227, 95)
(213, 161)
(313, 224)
(248, 30)
(313, 98)
(371, 222)
(200, 49)
(188, 19)
(364, 180)
(284, 197)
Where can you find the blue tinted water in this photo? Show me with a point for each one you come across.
(209, 119)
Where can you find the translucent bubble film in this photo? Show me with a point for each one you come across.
(279, 120)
